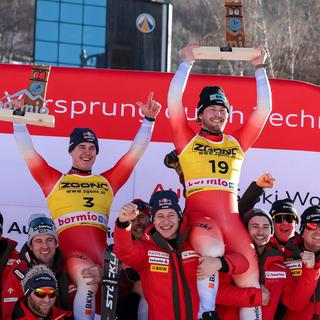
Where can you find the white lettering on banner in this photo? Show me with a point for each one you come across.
(158, 260)
(210, 182)
(158, 254)
(79, 107)
(81, 218)
(275, 275)
(189, 254)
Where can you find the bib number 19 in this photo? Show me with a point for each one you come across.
(219, 166)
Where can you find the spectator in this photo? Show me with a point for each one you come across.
(42, 248)
(131, 303)
(8, 254)
(40, 289)
(285, 218)
(275, 279)
(302, 254)
(168, 280)
(165, 261)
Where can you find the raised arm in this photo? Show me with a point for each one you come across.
(120, 173)
(258, 117)
(131, 252)
(182, 134)
(251, 196)
(45, 175)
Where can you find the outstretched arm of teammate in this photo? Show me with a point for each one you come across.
(251, 196)
(45, 175)
(182, 133)
(120, 173)
(258, 117)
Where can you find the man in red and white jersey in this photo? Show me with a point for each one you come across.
(79, 201)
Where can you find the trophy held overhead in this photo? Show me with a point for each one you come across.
(29, 105)
(234, 38)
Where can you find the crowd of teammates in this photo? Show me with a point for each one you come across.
(216, 259)
(289, 268)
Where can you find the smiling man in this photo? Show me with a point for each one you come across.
(163, 258)
(307, 244)
(211, 165)
(285, 218)
(41, 248)
(40, 292)
(79, 201)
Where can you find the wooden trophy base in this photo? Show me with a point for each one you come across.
(225, 53)
(36, 119)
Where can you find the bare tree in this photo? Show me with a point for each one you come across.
(287, 30)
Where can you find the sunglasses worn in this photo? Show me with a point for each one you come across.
(280, 218)
(311, 226)
(42, 293)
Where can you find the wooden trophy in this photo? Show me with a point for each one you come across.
(34, 110)
(234, 45)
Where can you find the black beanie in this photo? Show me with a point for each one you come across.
(311, 214)
(256, 212)
(284, 206)
(79, 135)
(165, 199)
(210, 96)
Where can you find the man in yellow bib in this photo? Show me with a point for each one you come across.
(211, 162)
(79, 202)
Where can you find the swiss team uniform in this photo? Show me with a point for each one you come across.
(211, 167)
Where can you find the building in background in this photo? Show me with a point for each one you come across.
(118, 34)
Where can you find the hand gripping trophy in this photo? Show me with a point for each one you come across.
(211, 160)
(234, 46)
(29, 105)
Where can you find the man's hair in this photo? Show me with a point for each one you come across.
(34, 272)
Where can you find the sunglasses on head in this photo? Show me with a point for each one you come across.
(42, 293)
(311, 226)
(280, 218)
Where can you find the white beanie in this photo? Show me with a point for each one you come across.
(39, 223)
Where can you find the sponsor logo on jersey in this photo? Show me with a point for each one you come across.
(212, 281)
(294, 264)
(10, 299)
(189, 254)
(211, 182)
(65, 185)
(157, 268)
(275, 274)
(89, 303)
(80, 218)
(158, 260)
(203, 149)
(158, 254)
(296, 272)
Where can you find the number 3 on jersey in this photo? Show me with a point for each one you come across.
(221, 166)
(88, 202)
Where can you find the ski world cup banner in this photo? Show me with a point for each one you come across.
(105, 101)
